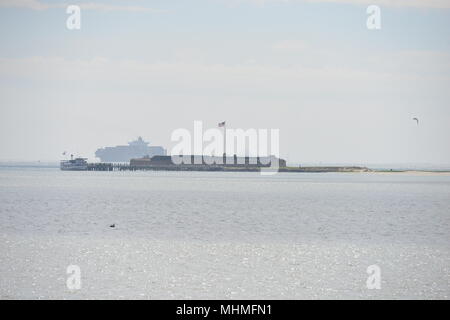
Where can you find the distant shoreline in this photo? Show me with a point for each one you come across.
(415, 172)
(309, 169)
(364, 170)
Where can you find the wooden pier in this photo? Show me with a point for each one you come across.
(107, 167)
(127, 167)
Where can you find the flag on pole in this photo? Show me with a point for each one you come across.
(221, 124)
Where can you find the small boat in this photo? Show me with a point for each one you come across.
(77, 164)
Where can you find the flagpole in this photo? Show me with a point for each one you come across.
(225, 140)
(223, 124)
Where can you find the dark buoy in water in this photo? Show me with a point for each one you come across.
(113, 225)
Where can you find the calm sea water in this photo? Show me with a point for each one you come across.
(223, 235)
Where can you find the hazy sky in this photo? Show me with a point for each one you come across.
(337, 91)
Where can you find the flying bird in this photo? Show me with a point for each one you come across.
(417, 120)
